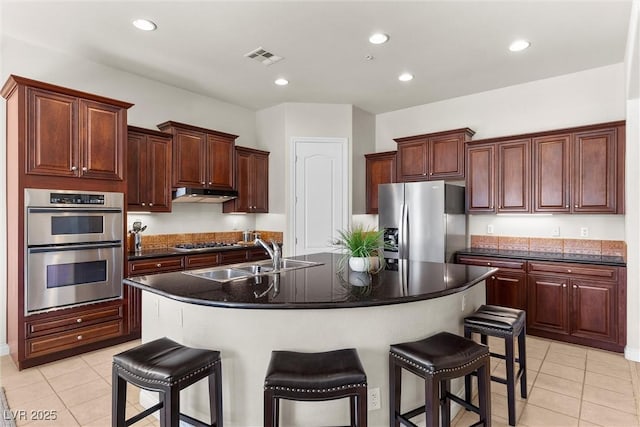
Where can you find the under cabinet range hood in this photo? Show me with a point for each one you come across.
(202, 195)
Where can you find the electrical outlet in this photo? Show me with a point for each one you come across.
(490, 229)
(373, 401)
(584, 231)
(555, 231)
(464, 302)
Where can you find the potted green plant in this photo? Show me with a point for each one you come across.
(362, 248)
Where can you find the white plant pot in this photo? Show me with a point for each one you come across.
(363, 263)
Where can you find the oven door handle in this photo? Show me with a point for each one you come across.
(74, 210)
(80, 247)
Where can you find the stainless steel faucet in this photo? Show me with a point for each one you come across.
(274, 252)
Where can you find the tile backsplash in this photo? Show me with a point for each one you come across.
(541, 244)
(161, 241)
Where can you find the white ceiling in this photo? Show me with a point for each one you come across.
(453, 48)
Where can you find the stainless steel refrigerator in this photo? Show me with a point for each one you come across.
(423, 221)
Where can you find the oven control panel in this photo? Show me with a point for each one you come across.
(76, 199)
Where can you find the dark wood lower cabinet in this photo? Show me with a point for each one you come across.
(578, 303)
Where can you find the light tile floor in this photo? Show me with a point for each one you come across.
(568, 386)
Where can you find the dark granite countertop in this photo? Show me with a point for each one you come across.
(617, 261)
(318, 287)
(165, 252)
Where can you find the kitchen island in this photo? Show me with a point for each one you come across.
(310, 309)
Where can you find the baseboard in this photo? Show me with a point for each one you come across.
(4, 349)
(632, 354)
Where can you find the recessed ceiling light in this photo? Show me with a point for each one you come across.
(281, 82)
(378, 38)
(144, 25)
(519, 45)
(405, 77)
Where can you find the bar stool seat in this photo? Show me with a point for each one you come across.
(166, 367)
(315, 377)
(438, 359)
(506, 323)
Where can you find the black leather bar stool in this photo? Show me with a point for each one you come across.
(315, 376)
(438, 359)
(506, 323)
(166, 367)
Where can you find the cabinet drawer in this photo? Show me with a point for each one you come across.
(258, 254)
(233, 257)
(156, 265)
(201, 260)
(80, 336)
(493, 262)
(72, 320)
(600, 272)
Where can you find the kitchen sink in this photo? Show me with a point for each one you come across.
(220, 274)
(247, 270)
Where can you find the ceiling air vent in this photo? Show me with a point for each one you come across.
(263, 56)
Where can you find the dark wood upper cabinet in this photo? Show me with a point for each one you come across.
(595, 163)
(70, 133)
(380, 169)
(252, 182)
(551, 173)
(202, 158)
(577, 170)
(432, 156)
(148, 170)
(514, 176)
(480, 180)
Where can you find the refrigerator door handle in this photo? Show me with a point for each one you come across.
(405, 232)
(400, 242)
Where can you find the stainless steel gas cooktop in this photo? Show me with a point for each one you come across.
(203, 246)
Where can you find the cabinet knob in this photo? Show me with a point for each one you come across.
(74, 168)
(575, 286)
(564, 285)
(143, 204)
(84, 169)
(79, 320)
(430, 173)
(203, 182)
(568, 270)
(493, 277)
(210, 183)
(567, 206)
(575, 206)
(150, 204)
(488, 263)
(424, 173)
(79, 337)
(158, 265)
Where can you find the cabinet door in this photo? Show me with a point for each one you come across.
(52, 138)
(547, 304)
(594, 171)
(507, 288)
(158, 176)
(134, 310)
(593, 313)
(244, 181)
(136, 170)
(380, 169)
(551, 178)
(102, 134)
(260, 186)
(412, 161)
(188, 158)
(219, 162)
(480, 180)
(514, 176)
(446, 157)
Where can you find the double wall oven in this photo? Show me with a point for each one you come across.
(74, 251)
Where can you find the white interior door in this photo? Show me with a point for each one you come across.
(320, 193)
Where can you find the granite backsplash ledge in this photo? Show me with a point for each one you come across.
(560, 246)
(161, 241)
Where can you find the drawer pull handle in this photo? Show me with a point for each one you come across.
(78, 320)
(79, 337)
(158, 265)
